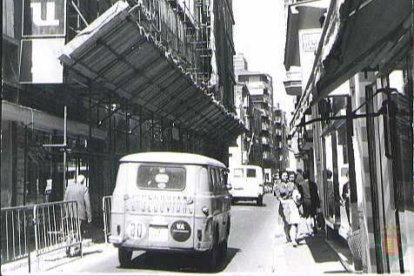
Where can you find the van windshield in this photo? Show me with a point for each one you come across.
(161, 177)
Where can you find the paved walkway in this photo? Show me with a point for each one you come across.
(313, 256)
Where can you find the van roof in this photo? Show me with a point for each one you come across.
(172, 157)
(247, 166)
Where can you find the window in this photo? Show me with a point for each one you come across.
(238, 173)
(251, 173)
(212, 178)
(224, 176)
(160, 177)
(219, 182)
(219, 176)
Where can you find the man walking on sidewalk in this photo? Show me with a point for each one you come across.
(77, 191)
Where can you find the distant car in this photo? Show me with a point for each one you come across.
(173, 202)
(247, 183)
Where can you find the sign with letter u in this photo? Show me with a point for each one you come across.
(44, 18)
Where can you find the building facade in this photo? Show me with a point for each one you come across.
(240, 151)
(261, 92)
(281, 150)
(105, 88)
(358, 100)
(245, 149)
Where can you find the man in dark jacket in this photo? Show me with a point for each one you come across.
(310, 199)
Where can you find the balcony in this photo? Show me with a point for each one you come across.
(293, 83)
(265, 141)
(265, 127)
(278, 132)
(265, 113)
(266, 155)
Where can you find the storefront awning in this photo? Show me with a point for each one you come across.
(357, 35)
(116, 52)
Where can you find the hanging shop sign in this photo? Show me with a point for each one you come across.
(39, 61)
(43, 18)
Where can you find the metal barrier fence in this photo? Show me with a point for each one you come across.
(106, 210)
(15, 233)
(56, 226)
(42, 228)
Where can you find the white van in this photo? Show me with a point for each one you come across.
(247, 183)
(174, 202)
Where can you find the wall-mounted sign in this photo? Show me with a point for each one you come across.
(44, 18)
(310, 41)
(39, 61)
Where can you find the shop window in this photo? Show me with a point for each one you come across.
(399, 134)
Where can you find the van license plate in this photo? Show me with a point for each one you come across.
(158, 234)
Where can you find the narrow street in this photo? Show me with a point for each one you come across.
(256, 246)
(143, 119)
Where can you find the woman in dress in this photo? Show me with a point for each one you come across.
(288, 209)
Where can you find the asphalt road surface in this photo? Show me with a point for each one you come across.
(256, 246)
(249, 248)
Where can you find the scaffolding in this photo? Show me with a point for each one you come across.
(166, 62)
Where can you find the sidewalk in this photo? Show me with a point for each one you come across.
(344, 254)
(52, 260)
(313, 256)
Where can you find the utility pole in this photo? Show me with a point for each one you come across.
(63, 147)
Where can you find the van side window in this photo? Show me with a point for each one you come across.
(212, 179)
(220, 185)
(217, 180)
(220, 176)
(251, 173)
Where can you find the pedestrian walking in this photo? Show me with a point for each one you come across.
(345, 199)
(276, 182)
(331, 195)
(292, 177)
(77, 191)
(288, 210)
(310, 201)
